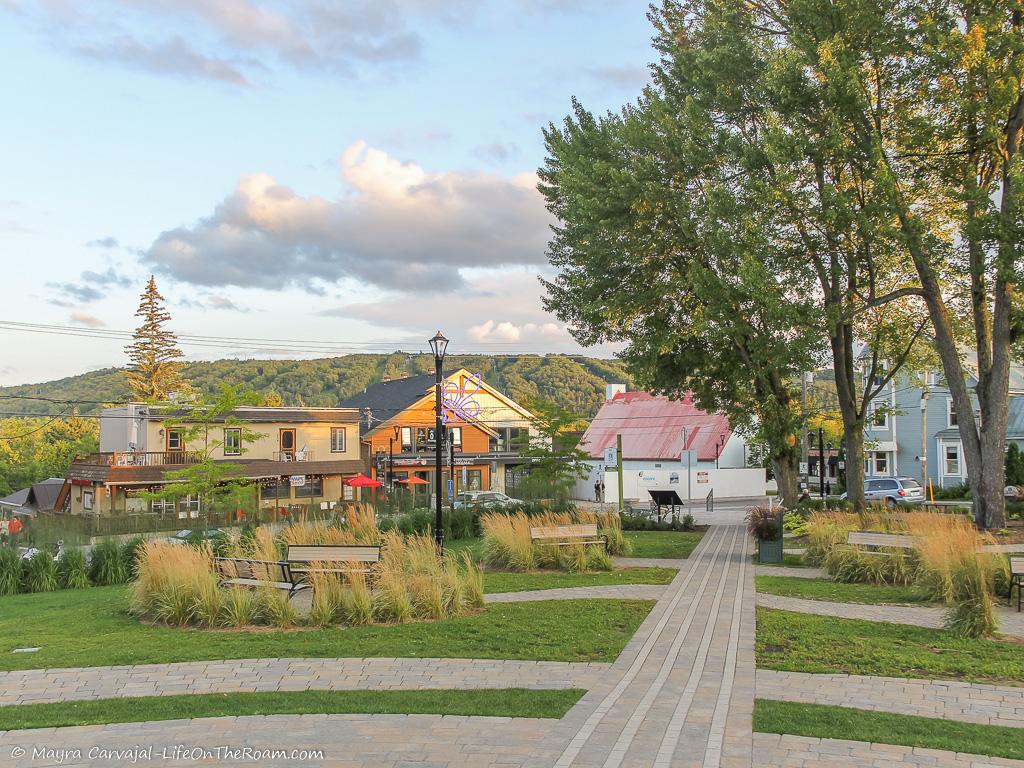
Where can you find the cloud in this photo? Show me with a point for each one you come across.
(506, 331)
(236, 42)
(629, 76)
(103, 242)
(497, 151)
(223, 302)
(80, 293)
(107, 279)
(397, 226)
(83, 318)
(92, 288)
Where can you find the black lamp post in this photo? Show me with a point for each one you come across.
(821, 461)
(438, 345)
(391, 459)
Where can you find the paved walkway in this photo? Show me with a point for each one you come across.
(944, 699)
(648, 562)
(774, 751)
(1010, 622)
(252, 675)
(787, 570)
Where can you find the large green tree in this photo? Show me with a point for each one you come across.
(154, 372)
(660, 244)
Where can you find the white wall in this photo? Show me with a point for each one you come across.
(641, 477)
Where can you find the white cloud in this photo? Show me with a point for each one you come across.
(397, 226)
(84, 318)
(502, 331)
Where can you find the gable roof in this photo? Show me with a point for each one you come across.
(41, 496)
(16, 499)
(652, 428)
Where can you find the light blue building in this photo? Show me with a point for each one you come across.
(912, 428)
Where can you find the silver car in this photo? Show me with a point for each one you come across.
(893, 490)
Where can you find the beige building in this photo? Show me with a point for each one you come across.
(301, 457)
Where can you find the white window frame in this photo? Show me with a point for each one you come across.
(946, 448)
(87, 499)
(230, 450)
(188, 506)
(873, 424)
(164, 506)
(407, 444)
(335, 431)
(180, 441)
(456, 433)
(951, 414)
(884, 456)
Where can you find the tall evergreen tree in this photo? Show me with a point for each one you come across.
(155, 368)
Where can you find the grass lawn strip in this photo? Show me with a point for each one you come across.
(803, 642)
(789, 560)
(506, 702)
(522, 582)
(666, 544)
(92, 627)
(828, 722)
(837, 592)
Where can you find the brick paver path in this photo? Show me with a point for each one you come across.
(1010, 622)
(252, 675)
(774, 751)
(945, 699)
(611, 591)
(788, 570)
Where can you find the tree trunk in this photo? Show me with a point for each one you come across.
(787, 474)
(853, 442)
(853, 422)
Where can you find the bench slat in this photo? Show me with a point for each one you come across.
(564, 531)
(332, 553)
(1017, 566)
(870, 539)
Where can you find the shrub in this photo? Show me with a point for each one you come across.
(763, 522)
(170, 579)
(688, 522)
(462, 523)
(327, 597)
(794, 523)
(130, 553)
(39, 572)
(474, 582)
(72, 570)
(426, 595)
(391, 601)
(207, 602)
(507, 542)
(598, 559)
(107, 565)
(356, 603)
(10, 571)
(609, 524)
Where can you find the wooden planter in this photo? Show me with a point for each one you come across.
(769, 551)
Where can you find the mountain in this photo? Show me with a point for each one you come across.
(574, 382)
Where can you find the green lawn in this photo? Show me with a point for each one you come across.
(92, 627)
(801, 642)
(508, 702)
(826, 589)
(672, 544)
(521, 582)
(827, 722)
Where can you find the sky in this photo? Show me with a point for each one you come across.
(354, 174)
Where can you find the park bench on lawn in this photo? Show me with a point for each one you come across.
(568, 535)
(342, 559)
(1016, 579)
(880, 541)
(246, 572)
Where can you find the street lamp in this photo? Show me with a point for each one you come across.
(391, 459)
(438, 345)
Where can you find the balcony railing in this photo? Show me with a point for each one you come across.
(293, 456)
(144, 458)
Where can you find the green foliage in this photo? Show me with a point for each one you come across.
(970, 613)
(72, 569)
(794, 523)
(39, 572)
(1014, 464)
(130, 553)
(556, 460)
(10, 571)
(32, 450)
(154, 373)
(107, 565)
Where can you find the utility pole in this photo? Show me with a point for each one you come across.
(821, 460)
(618, 465)
(807, 377)
(925, 394)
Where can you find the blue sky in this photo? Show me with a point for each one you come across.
(353, 172)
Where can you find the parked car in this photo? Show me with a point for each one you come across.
(187, 535)
(893, 490)
(484, 499)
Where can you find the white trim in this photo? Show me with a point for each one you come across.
(949, 413)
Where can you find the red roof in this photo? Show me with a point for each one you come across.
(652, 428)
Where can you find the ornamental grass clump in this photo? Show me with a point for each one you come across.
(327, 594)
(357, 603)
(39, 572)
(72, 569)
(239, 607)
(275, 608)
(170, 580)
(970, 612)
(107, 565)
(609, 524)
(507, 543)
(10, 571)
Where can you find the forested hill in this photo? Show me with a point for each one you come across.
(574, 382)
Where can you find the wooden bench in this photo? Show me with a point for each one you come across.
(1016, 579)
(883, 540)
(569, 535)
(246, 572)
(343, 559)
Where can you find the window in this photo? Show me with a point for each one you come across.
(952, 457)
(474, 480)
(951, 413)
(337, 439)
(86, 499)
(277, 489)
(188, 506)
(174, 441)
(456, 438)
(888, 485)
(871, 485)
(421, 438)
(881, 462)
(406, 439)
(879, 416)
(163, 506)
(286, 441)
(233, 442)
(314, 487)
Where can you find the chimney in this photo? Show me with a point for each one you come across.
(611, 390)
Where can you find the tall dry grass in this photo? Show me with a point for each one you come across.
(508, 545)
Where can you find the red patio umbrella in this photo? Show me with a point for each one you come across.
(414, 481)
(362, 481)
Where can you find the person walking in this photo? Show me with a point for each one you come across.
(597, 491)
(601, 491)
